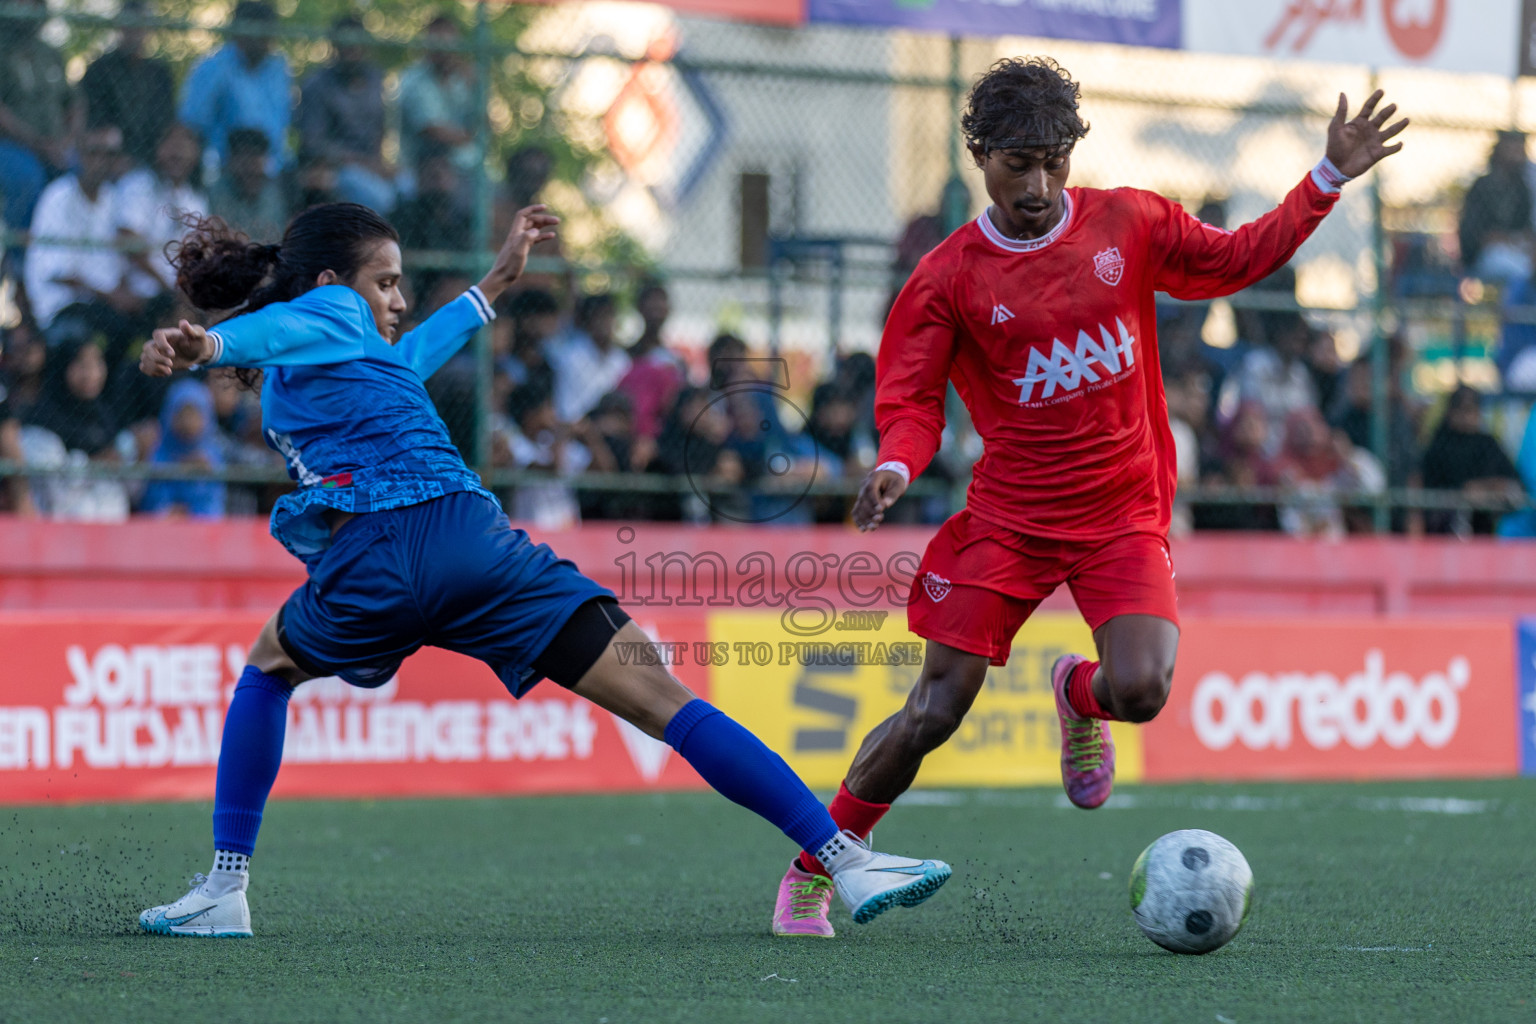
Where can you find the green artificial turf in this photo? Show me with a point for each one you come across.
(1411, 902)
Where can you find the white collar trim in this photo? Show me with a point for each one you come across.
(1002, 241)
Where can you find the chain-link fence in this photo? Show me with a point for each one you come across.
(735, 197)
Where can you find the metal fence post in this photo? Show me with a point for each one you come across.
(484, 357)
(1381, 361)
(953, 206)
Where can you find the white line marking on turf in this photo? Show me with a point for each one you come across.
(1426, 805)
(1224, 1020)
(1152, 799)
(934, 798)
(1389, 949)
(775, 974)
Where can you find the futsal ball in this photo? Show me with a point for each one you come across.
(1189, 891)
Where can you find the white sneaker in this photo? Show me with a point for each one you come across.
(226, 916)
(871, 883)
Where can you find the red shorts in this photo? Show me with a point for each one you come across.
(979, 581)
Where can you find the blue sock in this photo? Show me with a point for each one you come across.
(251, 752)
(744, 771)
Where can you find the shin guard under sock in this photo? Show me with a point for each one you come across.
(249, 756)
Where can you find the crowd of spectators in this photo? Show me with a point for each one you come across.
(1280, 410)
(101, 174)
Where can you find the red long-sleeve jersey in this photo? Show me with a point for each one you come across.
(1052, 345)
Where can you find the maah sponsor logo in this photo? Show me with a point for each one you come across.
(1065, 371)
(1270, 711)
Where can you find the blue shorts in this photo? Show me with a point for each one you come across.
(450, 573)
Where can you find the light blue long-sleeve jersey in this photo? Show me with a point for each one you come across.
(348, 410)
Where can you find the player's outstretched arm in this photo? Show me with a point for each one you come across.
(175, 348)
(1360, 143)
(881, 489)
(530, 226)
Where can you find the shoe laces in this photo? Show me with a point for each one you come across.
(1085, 743)
(198, 880)
(810, 897)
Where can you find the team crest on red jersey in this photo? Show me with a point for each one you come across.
(1109, 265)
(937, 586)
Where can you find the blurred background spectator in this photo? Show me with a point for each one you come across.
(1274, 376)
(35, 114)
(1244, 462)
(586, 358)
(1316, 467)
(242, 84)
(77, 290)
(533, 438)
(71, 426)
(247, 195)
(655, 373)
(437, 101)
(237, 414)
(1496, 222)
(1463, 456)
(436, 218)
(22, 364)
(188, 438)
(694, 443)
(341, 119)
(129, 89)
(1188, 389)
(153, 204)
(1352, 414)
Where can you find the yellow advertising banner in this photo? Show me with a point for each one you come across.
(814, 698)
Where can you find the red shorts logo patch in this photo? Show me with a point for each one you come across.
(936, 586)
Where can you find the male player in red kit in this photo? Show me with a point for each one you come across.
(1041, 312)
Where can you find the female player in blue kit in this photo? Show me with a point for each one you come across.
(404, 546)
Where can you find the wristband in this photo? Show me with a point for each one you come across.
(896, 467)
(1327, 177)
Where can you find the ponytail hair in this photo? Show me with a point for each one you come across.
(219, 268)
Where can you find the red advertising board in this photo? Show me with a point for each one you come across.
(131, 707)
(1341, 699)
(768, 12)
(119, 706)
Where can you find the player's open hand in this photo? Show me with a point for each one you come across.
(881, 489)
(1358, 144)
(530, 226)
(175, 348)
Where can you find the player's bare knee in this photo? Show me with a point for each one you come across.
(1139, 694)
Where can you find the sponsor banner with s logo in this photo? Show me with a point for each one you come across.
(815, 706)
(1367, 698)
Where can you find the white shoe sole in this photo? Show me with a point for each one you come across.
(909, 895)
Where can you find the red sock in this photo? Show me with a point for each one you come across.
(849, 812)
(1080, 692)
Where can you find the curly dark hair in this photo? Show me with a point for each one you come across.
(219, 268)
(1023, 103)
